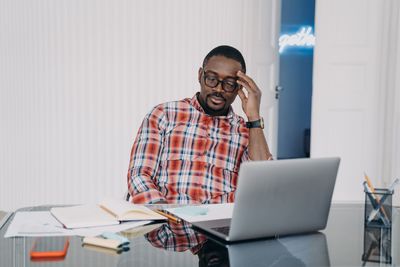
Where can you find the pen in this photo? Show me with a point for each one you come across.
(376, 210)
(169, 216)
(374, 203)
(372, 196)
(393, 185)
(376, 197)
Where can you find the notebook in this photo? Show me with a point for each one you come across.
(275, 198)
(108, 212)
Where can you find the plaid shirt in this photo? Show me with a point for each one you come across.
(182, 155)
(176, 237)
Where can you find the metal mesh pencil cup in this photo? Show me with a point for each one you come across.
(378, 226)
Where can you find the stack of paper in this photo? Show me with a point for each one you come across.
(82, 220)
(42, 223)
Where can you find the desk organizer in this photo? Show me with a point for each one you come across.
(378, 226)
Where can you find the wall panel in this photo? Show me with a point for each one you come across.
(77, 77)
(355, 95)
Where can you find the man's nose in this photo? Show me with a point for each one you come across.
(219, 88)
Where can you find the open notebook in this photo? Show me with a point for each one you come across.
(108, 212)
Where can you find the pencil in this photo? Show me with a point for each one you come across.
(369, 183)
(169, 216)
(371, 187)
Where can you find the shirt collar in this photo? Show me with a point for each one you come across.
(194, 102)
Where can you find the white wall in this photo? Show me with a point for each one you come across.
(77, 77)
(355, 112)
(391, 160)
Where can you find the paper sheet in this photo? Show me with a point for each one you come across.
(4, 218)
(42, 223)
(215, 212)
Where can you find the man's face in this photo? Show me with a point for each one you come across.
(217, 100)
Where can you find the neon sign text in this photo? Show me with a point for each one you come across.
(303, 38)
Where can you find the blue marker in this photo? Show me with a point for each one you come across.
(108, 235)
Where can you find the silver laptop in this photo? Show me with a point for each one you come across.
(298, 250)
(276, 198)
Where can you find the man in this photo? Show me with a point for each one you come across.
(190, 151)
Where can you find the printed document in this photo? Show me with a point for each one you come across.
(42, 223)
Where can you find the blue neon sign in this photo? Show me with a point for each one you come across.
(304, 38)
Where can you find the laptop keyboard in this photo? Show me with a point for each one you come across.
(224, 230)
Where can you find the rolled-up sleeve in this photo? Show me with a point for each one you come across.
(145, 159)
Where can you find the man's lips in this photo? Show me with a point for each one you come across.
(217, 100)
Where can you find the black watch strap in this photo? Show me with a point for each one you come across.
(255, 124)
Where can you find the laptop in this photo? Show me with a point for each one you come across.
(278, 198)
(298, 250)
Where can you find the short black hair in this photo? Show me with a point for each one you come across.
(228, 52)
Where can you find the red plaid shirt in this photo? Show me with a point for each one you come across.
(176, 237)
(182, 155)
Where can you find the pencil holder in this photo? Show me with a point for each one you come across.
(378, 208)
(377, 245)
(378, 226)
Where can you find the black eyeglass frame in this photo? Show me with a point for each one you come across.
(223, 82)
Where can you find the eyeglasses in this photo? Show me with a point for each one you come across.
(212, 81)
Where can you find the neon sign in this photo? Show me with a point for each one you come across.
(303, 38)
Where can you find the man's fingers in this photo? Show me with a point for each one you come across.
(246, 78)
(242, 95)
(247, 82)
(243, 83)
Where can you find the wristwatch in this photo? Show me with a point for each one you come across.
(256, 124)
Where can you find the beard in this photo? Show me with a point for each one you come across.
(218, 108)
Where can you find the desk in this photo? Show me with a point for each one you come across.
(340, 244)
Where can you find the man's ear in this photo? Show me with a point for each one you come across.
(199, 75)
